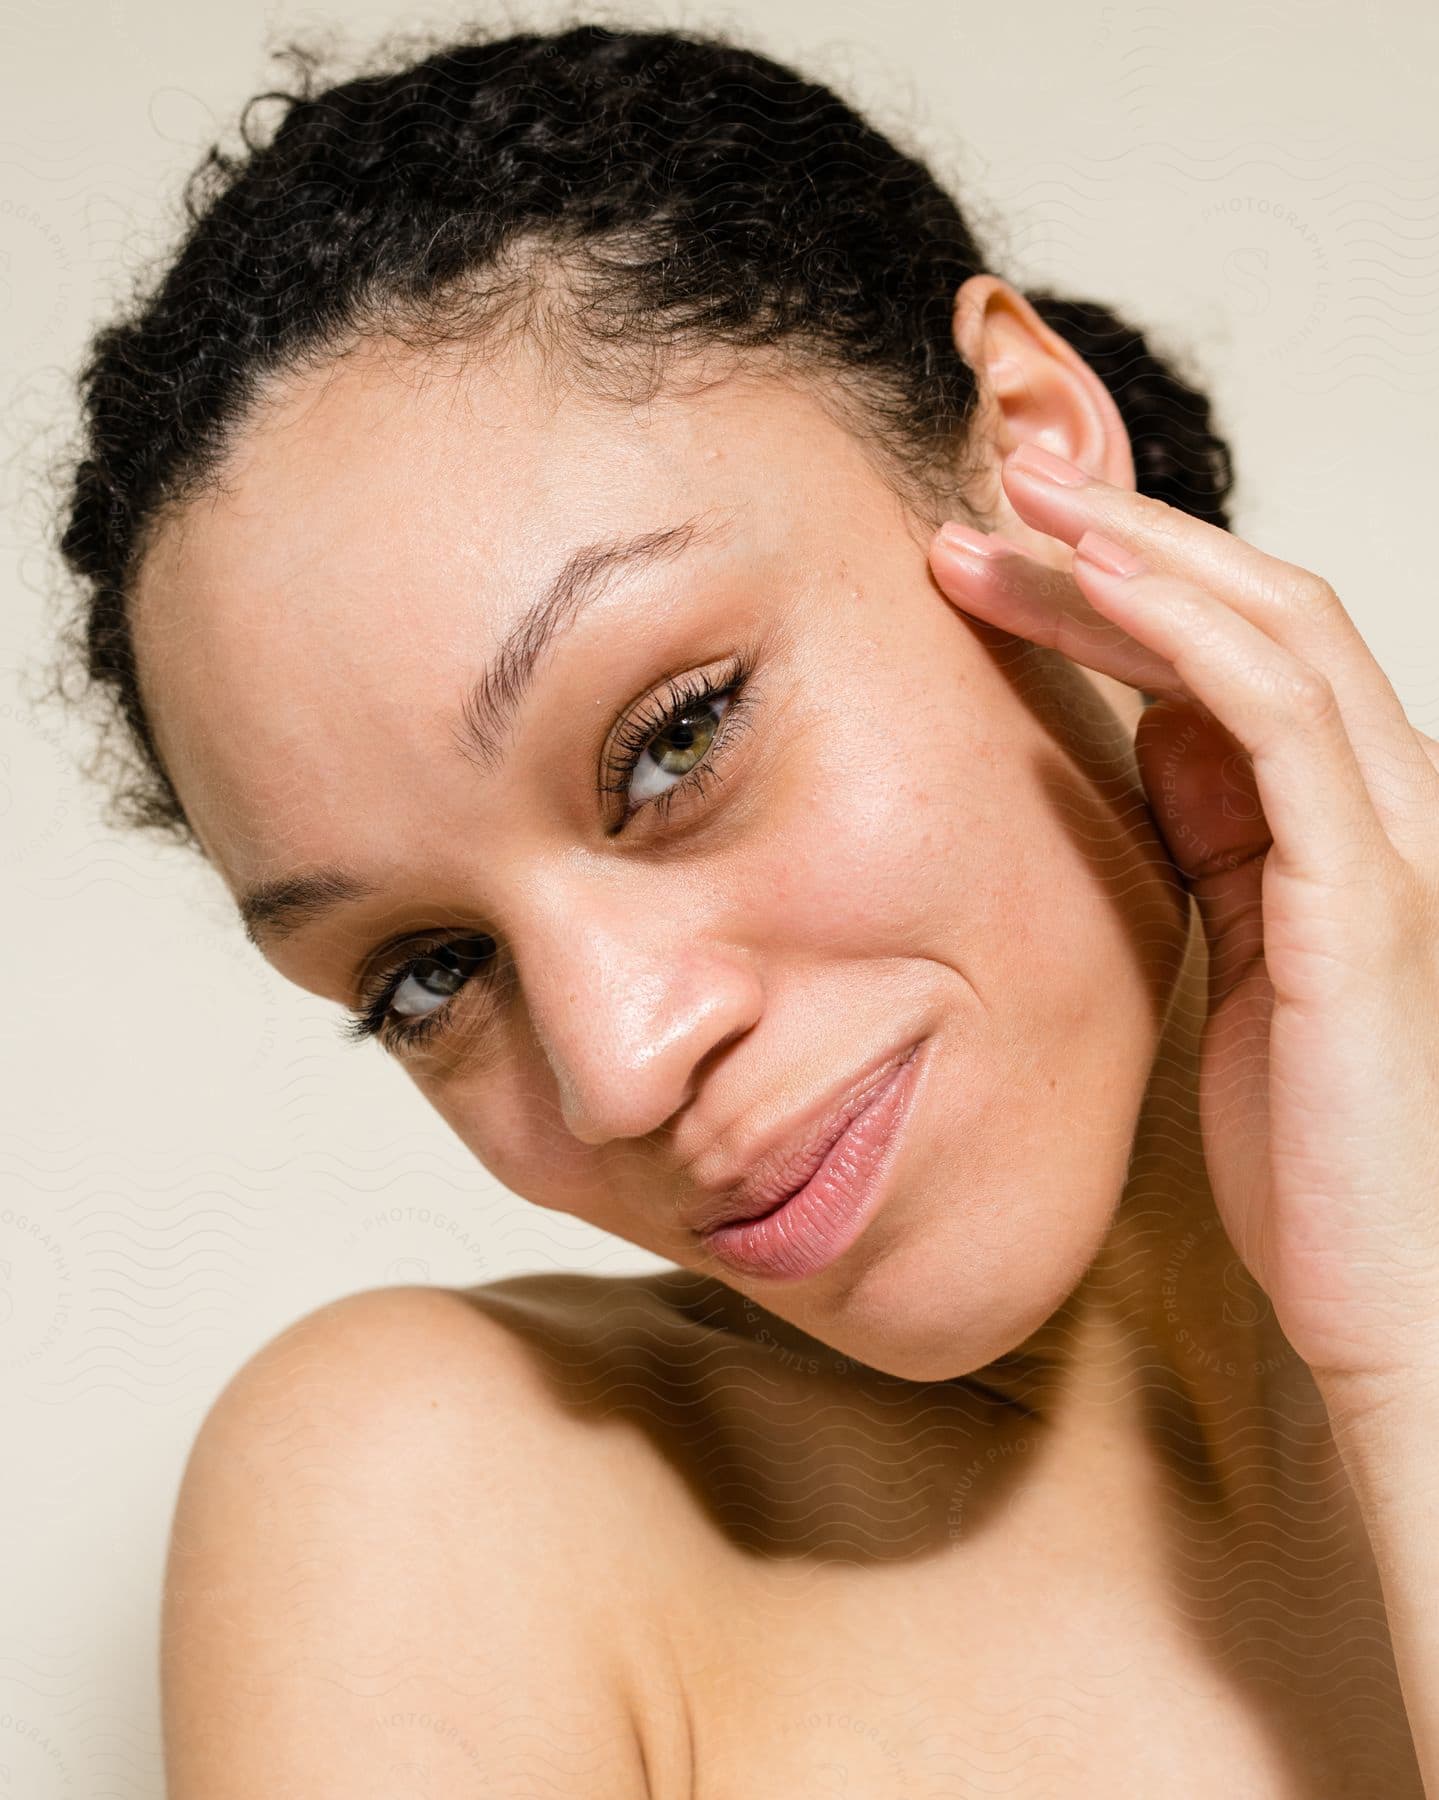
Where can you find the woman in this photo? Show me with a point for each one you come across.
(511, 539)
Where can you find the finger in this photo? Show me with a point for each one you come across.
(1321, 816)
(1295, 607)
(996, 581)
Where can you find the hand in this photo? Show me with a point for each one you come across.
(1301, 807)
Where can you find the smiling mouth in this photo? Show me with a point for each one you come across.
(806, 1230)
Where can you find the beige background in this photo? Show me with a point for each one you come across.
(189, 1157)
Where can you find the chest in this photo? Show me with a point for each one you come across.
(1032, 1613)
(905, 1684)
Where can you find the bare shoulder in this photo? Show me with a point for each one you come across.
(390, 1565)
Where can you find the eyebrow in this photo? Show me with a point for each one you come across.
(275, 909)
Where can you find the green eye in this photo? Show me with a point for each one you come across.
(420, 990)
(677, 734)
(678, 749)
(433, 979)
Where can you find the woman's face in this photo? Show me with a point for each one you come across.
(907, 827)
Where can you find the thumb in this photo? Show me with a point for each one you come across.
(1201, 789)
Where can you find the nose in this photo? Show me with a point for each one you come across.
(627, 1002)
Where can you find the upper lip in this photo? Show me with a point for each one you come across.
(779, 1164)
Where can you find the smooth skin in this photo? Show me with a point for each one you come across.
(1038, 1487)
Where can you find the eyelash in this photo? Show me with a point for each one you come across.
(667, 708)
(664, 709)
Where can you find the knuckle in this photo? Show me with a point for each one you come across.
(1296, 595)
(1162, 524)
(1307, 695)
(1312, 596)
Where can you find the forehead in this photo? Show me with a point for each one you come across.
(380, 526)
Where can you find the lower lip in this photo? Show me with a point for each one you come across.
(820, 1222)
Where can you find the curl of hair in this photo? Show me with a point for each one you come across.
(621, 197)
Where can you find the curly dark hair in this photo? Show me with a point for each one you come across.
(618, 195)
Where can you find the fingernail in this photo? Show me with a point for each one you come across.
(1030, 459)
(977, 543)
(1104, 553)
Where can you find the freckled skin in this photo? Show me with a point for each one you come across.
(926, 828)
(901, 844)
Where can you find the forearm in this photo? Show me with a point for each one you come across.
(1390, 1447)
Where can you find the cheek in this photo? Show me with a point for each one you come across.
(503, 1103)
(1036, 883)
(937, 825)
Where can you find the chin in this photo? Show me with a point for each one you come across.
(969, 1260)
(1014, 1174)
(909, 1318)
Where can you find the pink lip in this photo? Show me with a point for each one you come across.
(819, 1222)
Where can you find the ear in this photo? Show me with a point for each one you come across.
(1036, 388)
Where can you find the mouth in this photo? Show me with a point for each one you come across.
(811, 1227)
